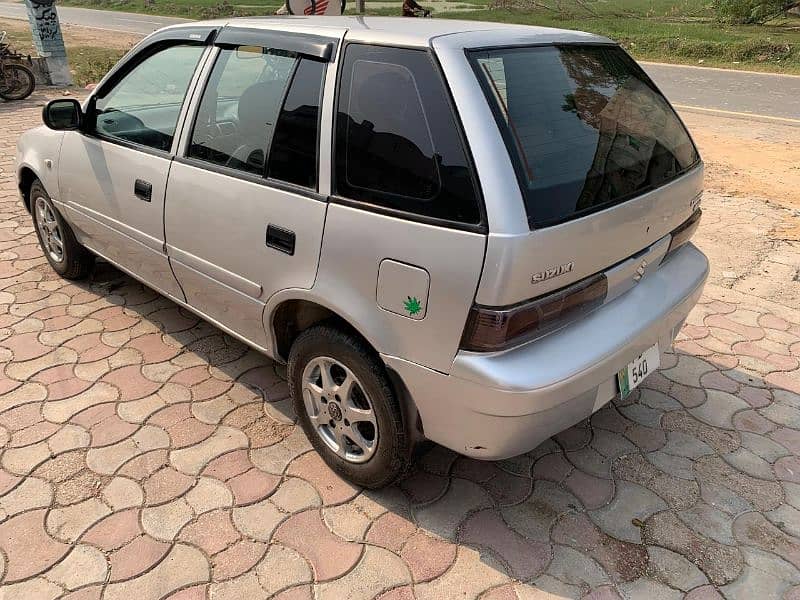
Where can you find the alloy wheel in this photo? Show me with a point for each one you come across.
(339, 409)
(49, 230)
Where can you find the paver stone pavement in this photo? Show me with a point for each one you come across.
(145, 454)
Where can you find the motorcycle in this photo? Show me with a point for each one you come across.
(16, 80)
(412, 9)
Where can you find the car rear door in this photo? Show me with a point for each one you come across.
(245, 211)
(113, 173)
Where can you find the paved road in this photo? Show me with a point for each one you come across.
(714, 90)
(764, 94)
(144, 454)
(98, 19)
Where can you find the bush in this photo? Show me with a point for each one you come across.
(223, 9)
(89, 63)
(751, 11)
(747, 51)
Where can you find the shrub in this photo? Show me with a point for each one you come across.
(222, 9)
(751, 11)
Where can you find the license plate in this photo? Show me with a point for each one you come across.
(632, 376)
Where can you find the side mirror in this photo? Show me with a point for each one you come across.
(64, 114)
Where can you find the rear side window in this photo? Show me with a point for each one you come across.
(397, 141)
(585, 126)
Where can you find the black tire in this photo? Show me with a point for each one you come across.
(392, 455)
(16, 82)
(77, 261)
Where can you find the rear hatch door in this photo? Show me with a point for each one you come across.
(604, 167)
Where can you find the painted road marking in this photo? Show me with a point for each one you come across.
(720, 69)
(737, 113)
(141, 21)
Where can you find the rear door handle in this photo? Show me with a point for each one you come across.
(143, 190)
(280, 239)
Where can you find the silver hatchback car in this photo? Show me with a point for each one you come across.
(470, 233)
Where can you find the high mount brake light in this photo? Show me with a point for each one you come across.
(684, 232)
(493, 329)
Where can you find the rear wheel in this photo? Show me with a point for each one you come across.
(67, 257)
(16, 82)
(347, 407)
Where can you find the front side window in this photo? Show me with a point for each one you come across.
(240, 107)
(143, 108)
(585, 126)
(397, 141)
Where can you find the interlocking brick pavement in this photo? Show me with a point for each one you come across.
(144, 454)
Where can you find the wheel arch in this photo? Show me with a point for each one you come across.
(25, 178)
(287, 317)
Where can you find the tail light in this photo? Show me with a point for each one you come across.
(684, 232)
(492, 329)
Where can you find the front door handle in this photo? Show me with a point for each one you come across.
(281, 239)
(143, 190)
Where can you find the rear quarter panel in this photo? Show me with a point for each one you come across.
(354, 245)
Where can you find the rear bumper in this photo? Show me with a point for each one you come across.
(494, 406)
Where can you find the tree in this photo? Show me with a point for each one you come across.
(752, 11)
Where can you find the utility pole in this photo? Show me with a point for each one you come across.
(48, 40)
(360, 6)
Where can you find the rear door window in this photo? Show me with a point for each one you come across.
(398, 144)
(240, 107)
(260, 114)
(293, 155)
(585, 127)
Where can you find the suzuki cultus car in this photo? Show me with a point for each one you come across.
(470, 233)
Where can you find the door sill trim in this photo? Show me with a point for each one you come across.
(262, 349)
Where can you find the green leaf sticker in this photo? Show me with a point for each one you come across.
(412, 305)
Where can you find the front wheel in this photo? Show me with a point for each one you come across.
(65, 254)
(16, 82)
(347, 407)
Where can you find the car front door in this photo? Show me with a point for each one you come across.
(113, 173)
(244, 211)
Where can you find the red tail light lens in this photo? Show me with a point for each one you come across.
(492, 329)
(684, 232)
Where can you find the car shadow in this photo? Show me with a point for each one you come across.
(665, 490)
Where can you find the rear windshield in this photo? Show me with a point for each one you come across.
(585, 126)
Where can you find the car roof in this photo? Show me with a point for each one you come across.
(411, 32)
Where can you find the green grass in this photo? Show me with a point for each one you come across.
(693, 41)
(680, 31)
(89, 63)
(194, 9)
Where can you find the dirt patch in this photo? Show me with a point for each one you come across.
(753, 159)
(751, 221)
(91, 52)
(73, 36)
